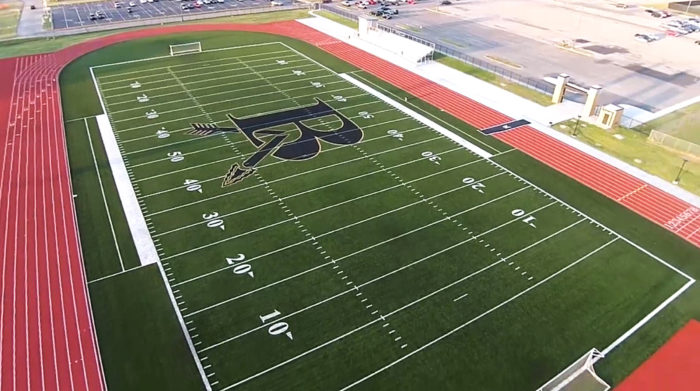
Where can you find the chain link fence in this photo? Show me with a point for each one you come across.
(675, 143)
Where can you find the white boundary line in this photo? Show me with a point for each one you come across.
(137, 222)
(104, 198)
(418, 117)
(647, 318)
(108, 137)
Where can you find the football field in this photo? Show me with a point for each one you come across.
(319, 232)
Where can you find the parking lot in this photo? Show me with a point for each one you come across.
(591, 40)
(78, 15)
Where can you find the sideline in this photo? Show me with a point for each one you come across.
(418, 117)
(137, 223)
(104, 198)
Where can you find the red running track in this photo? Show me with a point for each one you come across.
(673, 367)
(47, 337)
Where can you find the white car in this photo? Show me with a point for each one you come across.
(132, 4)
(143, 1)
(348, 3)
(220, 1)
(276, 3)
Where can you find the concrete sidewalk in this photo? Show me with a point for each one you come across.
(501, 100)
(31, 20)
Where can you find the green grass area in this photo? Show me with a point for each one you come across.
(337, 18)
(133, 311)
(683, 123)
(634, 149)
(111, 253)
(9, 17)
(437, 247)
(23, 47)
(517, 89)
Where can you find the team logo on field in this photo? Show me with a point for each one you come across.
(260, 131)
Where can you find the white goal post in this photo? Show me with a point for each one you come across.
(184, 48)
(579, 376)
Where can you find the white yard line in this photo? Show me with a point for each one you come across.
(382, 318)
(184, 65)
(213, 79)
(233, 60)
(218, 102)
(375, 245)
(308, 214)
(104, 198)
(347, 201)
(150, 125)
(179, 130)
(418, 117)
(228, 158)
(476, 318)
(218, 177)
(229, 85)
(373, 280)
(223, 92)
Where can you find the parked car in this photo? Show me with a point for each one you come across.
(445, 2)
(117, 5)
(644, 38)
(220, 1)
(132, 4)
(92, 16)
(276, 3)
(348, 3)
(32, 7)
(386, 15)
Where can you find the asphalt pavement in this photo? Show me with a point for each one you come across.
(78, 15)
(634, 84)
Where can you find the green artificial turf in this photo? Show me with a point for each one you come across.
(373, 264)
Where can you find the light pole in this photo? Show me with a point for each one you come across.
(678, 177)
(578, 120)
